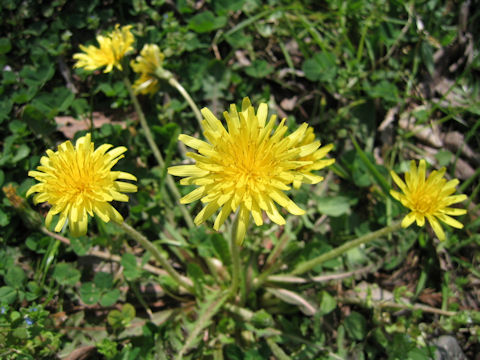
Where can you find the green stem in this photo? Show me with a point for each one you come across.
(147, 245)
(156, 152)
(235, 256)
(271, 264)
(164, 74)
(198, 115)
(143, 123)
(308, 265)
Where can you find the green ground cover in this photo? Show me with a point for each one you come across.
(384, 82)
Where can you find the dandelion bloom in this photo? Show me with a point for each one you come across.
(247, 167)
(113, 48)
(313, 161)
(428, 198)
(147, 63)
(78, 181)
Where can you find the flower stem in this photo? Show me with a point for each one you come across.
(271, 264)
(147, 245)
(164, 74)
(156, 152)
(308, 265)
(198, 115)
(235, 256)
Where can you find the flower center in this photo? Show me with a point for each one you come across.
(248, 166)
(425, 200)
(80, 182)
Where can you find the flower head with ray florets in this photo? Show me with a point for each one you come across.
(248, 167)
(78, 181)
(428, 198)
(147, 64)
(113, 48)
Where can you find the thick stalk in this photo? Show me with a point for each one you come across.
(271, 264)
(156, 152)
(308, 265)
(147, 245)
(164, 74)
(235, 256)
(198, 115)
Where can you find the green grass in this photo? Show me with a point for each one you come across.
(359, 72)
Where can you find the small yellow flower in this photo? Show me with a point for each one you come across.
(113, 48)
(316, 160)
(78, 181)
(247, 167)
(428, 198)
(146, 64)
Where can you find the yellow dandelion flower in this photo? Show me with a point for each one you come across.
(428, 198)
(246, 168)
(146, 64)
(78, 181)
(113, 48)
(316, 160)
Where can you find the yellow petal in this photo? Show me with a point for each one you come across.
(124, 175)
(102, 211)
(420, 219)
(222, 216)
(285, 202)
(437, 228)
(398, 181)
(450, 221)
(79, 228)
(274, 215)
(61, 221)
(454, 211)
(193, 196)
(455, 199)
(187, 170)
(206, 212)
(192, 142)
(408, 220)
(125, 187)
(242, 225)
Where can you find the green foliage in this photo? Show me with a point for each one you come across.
(28, 331)
(359, 72)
